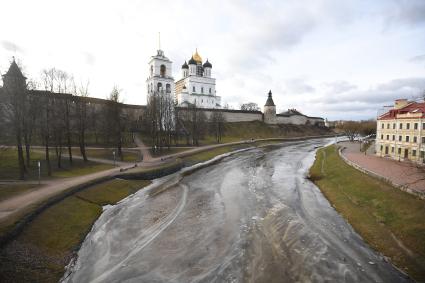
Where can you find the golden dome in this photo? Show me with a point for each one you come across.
(197, 57)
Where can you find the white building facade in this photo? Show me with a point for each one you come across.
(160, 77)
(197, 87)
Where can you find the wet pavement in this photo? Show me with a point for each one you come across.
(251, 217)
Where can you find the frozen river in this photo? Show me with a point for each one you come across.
(251, 217)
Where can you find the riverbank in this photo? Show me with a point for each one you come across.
(389, 220)
(46, 244)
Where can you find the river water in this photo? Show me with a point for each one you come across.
(251, 217)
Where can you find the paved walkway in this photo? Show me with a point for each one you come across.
(404, 174)
(147, 157)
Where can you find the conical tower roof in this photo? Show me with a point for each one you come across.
(14, 71)
(269, 101)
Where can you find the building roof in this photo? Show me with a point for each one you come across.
(207, 64)
(185, 66)
(415, 109)
(14, 71)
(269, 101)
(292, 112)
(192, 61)
(197, 57)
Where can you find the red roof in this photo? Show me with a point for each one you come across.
(413, 107)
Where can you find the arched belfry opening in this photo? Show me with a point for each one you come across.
(163, 70)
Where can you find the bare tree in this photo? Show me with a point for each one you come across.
(64, 85)
(250, 106)
(217, 121)
(81, 116)
(115, 120)
(160, 118)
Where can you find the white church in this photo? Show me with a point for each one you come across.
(196, 87)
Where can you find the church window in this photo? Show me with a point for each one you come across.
(163, 70)
(210, 90)
(159, 86)
(193, 89)
(202, 89)
(168, 88)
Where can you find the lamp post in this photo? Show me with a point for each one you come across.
(114, 156)
(39, 171)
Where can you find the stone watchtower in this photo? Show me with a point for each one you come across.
(270, 110)
(14, 82)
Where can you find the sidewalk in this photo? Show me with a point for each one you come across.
(401, 174)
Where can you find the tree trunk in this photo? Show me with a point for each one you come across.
(20, 156)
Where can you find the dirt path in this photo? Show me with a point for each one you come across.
(147, 157)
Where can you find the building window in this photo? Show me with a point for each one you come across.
(399, 138)
(168, 88)
(388, 137)
(193, 89)
(392, 149)
(415, 139)
(422, 154)
(407, 126)
(382, 125)
(388, 125)
(381, 148)
(401, 126)
(407, 138)
(393, 126)
(414, 152)
(159, 86)
(415, 126)
(423, 126)
(210, 90)
(202, 89)
(399, 151)
(423, 139)
(162, 70)
(382, 137)
(393, 137)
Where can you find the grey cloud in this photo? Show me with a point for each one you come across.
(382, 94)
(339, 86)
(408, 11)
(418, 58)
(298, 86)
(10, 46)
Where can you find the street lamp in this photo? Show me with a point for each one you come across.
(114, 156)
(39, 171)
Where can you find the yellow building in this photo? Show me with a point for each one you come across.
(400, 132)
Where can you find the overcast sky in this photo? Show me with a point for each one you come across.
(336, 59)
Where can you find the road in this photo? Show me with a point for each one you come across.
(252, 217)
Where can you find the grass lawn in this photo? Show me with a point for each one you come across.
(380, 213)
(166, 151)
(255, 129)
(107, 153)
(9, 169)
(10, 190)
(41, 251)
